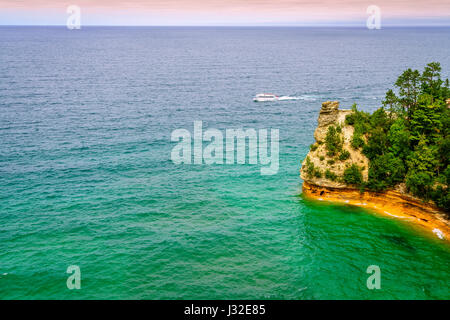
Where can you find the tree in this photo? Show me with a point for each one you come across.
(431, 79)
(377, 144)
(380, 119)
(386, 171)
(409, 144)
(408, 85)
(424, 158)
(353, 175)
(419, 184)
(398, 138)
(426, 120)
(391, 103)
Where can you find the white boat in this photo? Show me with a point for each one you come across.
(265, 97)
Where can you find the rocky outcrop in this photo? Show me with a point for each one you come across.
(328, 115)
(393, 203)
(331, 115)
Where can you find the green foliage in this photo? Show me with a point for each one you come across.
(424, 158)
(353, 175)
(398, 139)
(411, 142)
(321, 158)
(441, 194)
(309, 167)
(441, 197)
(376, 145)
(344, 155)
(318, 173)
(311, 170)
(357, 141)
(331, 162)
(431, 80)
(333, 141)
(426, 119)
(313, 147)
(360, 121)
(408, 84)
(385, 171)
(330, 175)
(391, 103)
(357, 117)
(419, 184)
(380, 119)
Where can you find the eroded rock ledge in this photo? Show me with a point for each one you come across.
(390, 203)
(394, 203)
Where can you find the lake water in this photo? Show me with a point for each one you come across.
(86, 176)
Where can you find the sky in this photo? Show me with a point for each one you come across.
(225, 12)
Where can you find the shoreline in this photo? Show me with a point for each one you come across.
(390, 203)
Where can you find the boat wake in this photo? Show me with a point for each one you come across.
(303, 97)
(264, 97)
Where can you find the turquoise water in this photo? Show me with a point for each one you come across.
(86, 177)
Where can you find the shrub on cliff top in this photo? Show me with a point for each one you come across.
(333, 141)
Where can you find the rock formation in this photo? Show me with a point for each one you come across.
(330, 115)
(331, 187)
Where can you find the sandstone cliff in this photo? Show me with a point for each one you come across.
(322, 174)
(330, 115)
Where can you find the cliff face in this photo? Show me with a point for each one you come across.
(395, 203)
(330, 115)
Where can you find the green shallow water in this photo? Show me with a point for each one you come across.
(217, 243)
(86, 177)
